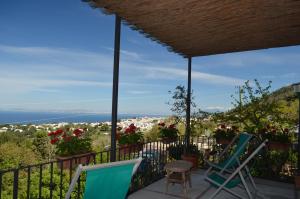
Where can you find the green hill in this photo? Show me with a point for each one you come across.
(259, 107)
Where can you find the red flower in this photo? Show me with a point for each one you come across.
(161, 124)
(129, 130)
(58, 132)
(51, 133)
(53, 141)
(223, 126)
(172, 126)
(132, 127)
(78, 132)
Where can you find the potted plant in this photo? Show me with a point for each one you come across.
(168, 134)
(192, 154)
(277, 139)
(224, 135)
(130, 140)
(72, 147)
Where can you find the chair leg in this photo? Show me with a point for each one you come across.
(167, 182)
(190, 180)
(184, 184)
(245, 185)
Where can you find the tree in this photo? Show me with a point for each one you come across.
(12, 156)
(179, 102)
(200, 122)
(256, 109)
(179, 106)
(42, 146)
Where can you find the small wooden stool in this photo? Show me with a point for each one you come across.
(179, 172)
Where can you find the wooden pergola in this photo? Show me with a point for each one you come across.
(203, 27)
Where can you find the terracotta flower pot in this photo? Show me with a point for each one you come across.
(73, 161)
(191, 158)
(223, 141)
(297, 181)
(278, 146)
(167, 140)
(130, 148)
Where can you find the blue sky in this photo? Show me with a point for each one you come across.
(58, 56)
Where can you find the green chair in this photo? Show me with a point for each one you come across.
(230, 163)
(106, 181)
(237, 178)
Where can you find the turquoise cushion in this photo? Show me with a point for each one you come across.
(220, 180)
(108, 183)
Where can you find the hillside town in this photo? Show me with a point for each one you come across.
(143, 123)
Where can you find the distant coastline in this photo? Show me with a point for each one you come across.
(16, 117)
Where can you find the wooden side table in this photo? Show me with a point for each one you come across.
(179, 172)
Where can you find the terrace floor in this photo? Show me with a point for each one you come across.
(201, 189)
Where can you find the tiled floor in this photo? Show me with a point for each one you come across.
(201, 189)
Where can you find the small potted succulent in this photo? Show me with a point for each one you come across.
(130, 140)
(73, 147)
(168, 134)
(224, 134)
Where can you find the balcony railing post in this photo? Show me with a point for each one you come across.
(298, 163)
(188, 106)
(16, 184)
(0, 185)
(114, 117)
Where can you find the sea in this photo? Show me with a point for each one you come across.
(15, 117)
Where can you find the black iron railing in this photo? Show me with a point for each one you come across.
(51, 179)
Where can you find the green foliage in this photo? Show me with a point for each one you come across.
(269, 164)
(57, 180)
(104, 127)
(276, 135)
(257, 108)
(12, 155)
(153, 134)
(179, 102)
(200, 122)
(42, 147)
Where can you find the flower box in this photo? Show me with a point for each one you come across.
(125, 149)
(297, 182)
(73, 147)
(224, 134)
(73, 161)
(223, 141)
(130, 140)
(168, 134)
(168, 140)
(278, 146)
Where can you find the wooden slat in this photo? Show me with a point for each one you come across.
(205, 27)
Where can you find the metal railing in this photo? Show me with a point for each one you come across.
(51, 179)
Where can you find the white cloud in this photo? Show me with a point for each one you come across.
(137, 92)
(18, 84)
(174, 73)
(126, 54)
(221, 108)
